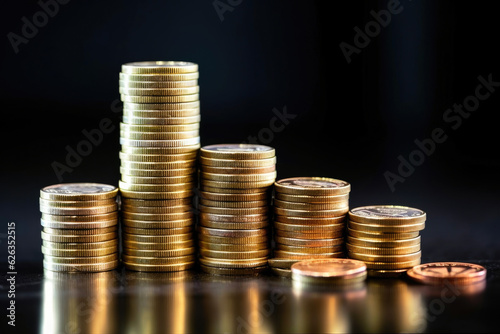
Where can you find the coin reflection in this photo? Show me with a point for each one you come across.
(79, 303)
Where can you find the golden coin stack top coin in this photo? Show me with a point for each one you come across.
(309, 217)
(234, 207)
(386, 238)
(160, 141)
(80, 227)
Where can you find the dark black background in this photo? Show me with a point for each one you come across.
(353, 120)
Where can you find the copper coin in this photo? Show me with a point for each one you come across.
(452, 272)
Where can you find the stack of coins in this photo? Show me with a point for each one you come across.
(160, 141)
(386, 238)
(234, 206)
(309, 217)
(80, 223)
(329, 271)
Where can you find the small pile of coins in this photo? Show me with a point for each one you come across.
(386, 238)
(160, 141)
(309, 218)
(80, 223)
(329, 271)
(234, 207)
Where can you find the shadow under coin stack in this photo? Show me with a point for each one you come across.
(234, 207)
(309, 220)
(160, 141)
(80, 222)
(386, 238)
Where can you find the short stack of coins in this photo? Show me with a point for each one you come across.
(80, 227)
(234, 207)
(160, 141)
(309, 218)
(386, 238)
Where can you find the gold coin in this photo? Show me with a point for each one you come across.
(159, 267)
(159, 121)
(310, 243)
(80, 267)
(159, 165)
(79, 225)
(156, 209)
(157, 158)
(158, 216)
(157, 260)
(234, 226)
(221, 204)
(312, 199)
(158, 180)
(239, 178)
(159, 77)
(391, 265)
(237, 151)
(311, 214)
(309, 221)
(79, 238)
(110, 229)
(393, 273)
(233, 218)
(126, 82)
(156, 187)
(160, 143)
(386, 229)
(233, 247)
(158, 245)
(159, 150)
(236, 185)
(160, 99)
(232, 233)
(157, 173)
(228, 191)
(81, 260)
(156, 195)
(238, 163)
(247, 254)
(159, 91)
(281, 263)
(159, 252)
(159, 135)
(232, 271)
(161, 106)
(159, 67)
(207, 196)
(309, 236)
(158, 231)
(310, 207)
(310, 250)
(160, 114)
(132, 202)
(303, 256)
(158, 224)
(385, 236)
(282, 272)
(385, 258)
(79, 211)
(76, 204)
(239, 171)
(161, 128)
(157, 238)
(234, 211)
(383, 251)
(383, 243)
(233, 240)
(80, 245)
(312, 186)
(387, 215)
(306, 229)
(246, 263)
(78, 192)
(79, 252)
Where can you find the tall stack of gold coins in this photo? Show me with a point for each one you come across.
(160, 141)
(234, 207)
(309, 220)
(386, 238)
(80, 222)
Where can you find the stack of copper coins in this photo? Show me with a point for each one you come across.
(234, 207)
(160, 141)
(309, 218)
(80, 223)
(386, 238)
